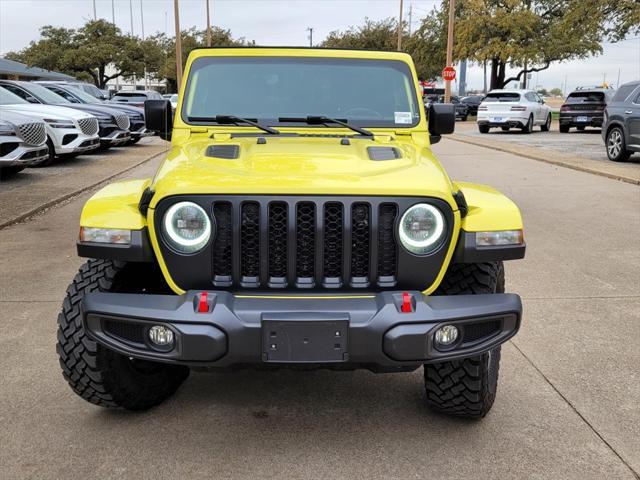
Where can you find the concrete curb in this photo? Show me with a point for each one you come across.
(571, 162)
(56, 201)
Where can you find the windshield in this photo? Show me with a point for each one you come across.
(362, 92)
(586, 97)
(502, 97)
(8, 98)
(44, 94)
(84, 96)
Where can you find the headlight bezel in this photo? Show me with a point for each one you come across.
(179, 244)
(435, 241)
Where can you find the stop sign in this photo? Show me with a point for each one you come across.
(449, 74)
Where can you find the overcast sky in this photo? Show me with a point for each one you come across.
(283, 22)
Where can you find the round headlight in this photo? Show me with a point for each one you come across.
(422, 229)
(186, 227)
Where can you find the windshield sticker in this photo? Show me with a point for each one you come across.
(403, 117)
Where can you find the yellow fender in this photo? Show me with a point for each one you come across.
(116, 206)
(488, 209)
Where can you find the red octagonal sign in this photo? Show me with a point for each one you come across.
(449, 74)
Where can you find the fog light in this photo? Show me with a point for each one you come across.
(446, 335)
(161, 336)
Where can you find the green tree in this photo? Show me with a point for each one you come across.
(373, 35)
(162, 62)
(530, 35)
(556, 92)
(87, 51)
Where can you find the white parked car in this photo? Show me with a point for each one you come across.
(23, 141)
(69, 131)
(513, 109)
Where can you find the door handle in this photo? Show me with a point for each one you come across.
(628, 112)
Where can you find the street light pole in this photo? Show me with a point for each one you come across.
(208, 26)
(310, 30)
(400, 28)
(176, 13)
(95, 17)
(113, 13)
(146, 82)
(447, 83)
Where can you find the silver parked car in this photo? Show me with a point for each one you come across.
(22, 142)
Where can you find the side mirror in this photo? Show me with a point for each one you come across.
(442, 120)
(31, 99)
(158, 117)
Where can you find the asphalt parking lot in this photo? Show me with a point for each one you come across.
(568, 402)
(582, 150)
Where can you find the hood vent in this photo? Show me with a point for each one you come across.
(384, 153)
(228, 152)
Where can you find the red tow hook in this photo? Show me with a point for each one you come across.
(203, 304)
(406, 307)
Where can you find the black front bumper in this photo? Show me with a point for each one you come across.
(369, 331)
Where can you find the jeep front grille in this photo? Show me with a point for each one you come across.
(88, 126)
(122, 120)
(302, 243)
(305, 244)
(32, 133)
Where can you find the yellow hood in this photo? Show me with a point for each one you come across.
(300, 165)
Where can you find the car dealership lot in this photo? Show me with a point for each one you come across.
(579, 150)
(568, 397)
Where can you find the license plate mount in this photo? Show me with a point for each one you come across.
(305, 341)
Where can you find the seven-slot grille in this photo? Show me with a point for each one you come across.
(122, 120)
(88, 126)
(32, 133)
(304, 244)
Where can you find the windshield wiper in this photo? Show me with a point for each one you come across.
(233, 120)
(322, 120)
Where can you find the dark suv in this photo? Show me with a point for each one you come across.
(584, 108)
(621, 131)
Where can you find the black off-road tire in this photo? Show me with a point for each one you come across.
(466, 387)
(483, 128)
(95, 373)
(505, 129)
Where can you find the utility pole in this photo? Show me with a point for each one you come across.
(410, 17)
(146, 83)
(95, 17)
(524, 82)
(310, 30)
(208, 25)
(447, 83)
(135, 80)
(176, 13)
(131, 15)
(400, 28)
(113, 20)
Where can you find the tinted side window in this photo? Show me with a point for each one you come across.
(17, 91)
(623, 92)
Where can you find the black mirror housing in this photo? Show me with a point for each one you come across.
(442, 120)
(158, 117)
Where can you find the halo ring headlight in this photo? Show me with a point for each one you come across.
(422, 227)
(186, 227)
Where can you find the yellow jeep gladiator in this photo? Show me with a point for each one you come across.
(300, 220)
